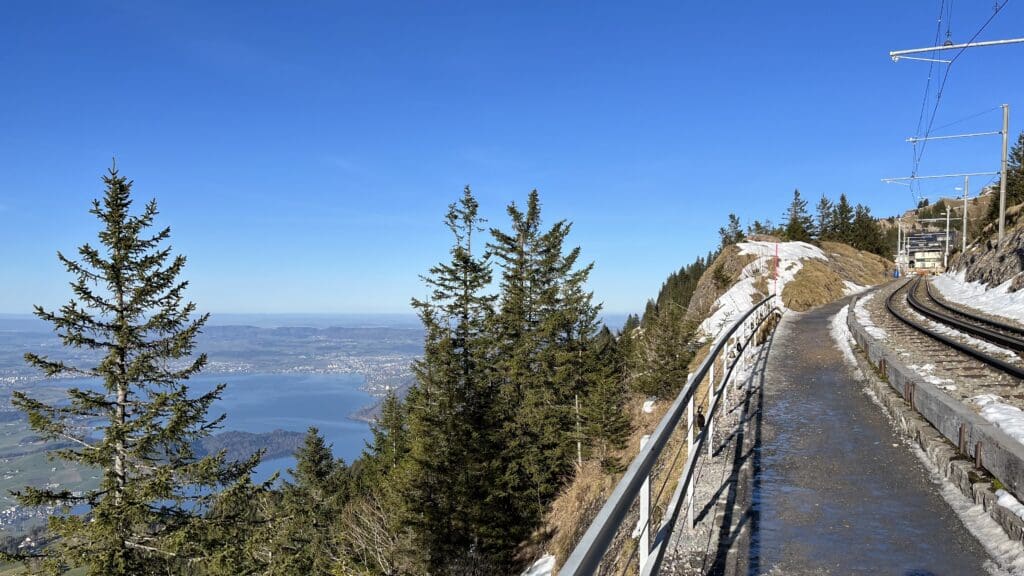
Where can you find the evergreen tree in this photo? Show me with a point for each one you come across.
(866, 234)
(664, 353)
(842, 221)
(732, 233)
(306, 539)
(543, 329)
(799, 225)
(825, 229)
(606, 424)
(149, 513)
(373, 537)
(446, 488)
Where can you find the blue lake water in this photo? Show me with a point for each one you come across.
(266, 402)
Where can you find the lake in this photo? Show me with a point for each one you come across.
(292, 401)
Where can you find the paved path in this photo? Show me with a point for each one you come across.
(833, 490)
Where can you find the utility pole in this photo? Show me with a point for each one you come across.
(945, 257)
(1002, 177)
(899, 245)
(963, 230)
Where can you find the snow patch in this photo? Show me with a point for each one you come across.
(998, 301)
(741, 296)
(852, 288)
(864, 318)
(1009, 419)
(844, 338)
(1006, 500)
(542, 567)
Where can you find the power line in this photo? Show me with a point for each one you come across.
(942, 85)
(966, 118)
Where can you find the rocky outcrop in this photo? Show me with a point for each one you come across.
(993, 265)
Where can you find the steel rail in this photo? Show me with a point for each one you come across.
(973, 329)
(587, 555)
(1017, 331)
(972, 352)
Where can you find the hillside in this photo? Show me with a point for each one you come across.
(996, 266)
(807, 276)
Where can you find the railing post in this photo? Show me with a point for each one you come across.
(711, 400)
(690, 418)
(644, 549)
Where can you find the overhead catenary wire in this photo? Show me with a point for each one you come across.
(915, 161)
(942, 84)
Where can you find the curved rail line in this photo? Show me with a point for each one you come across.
(1014, 331)
(952, 343)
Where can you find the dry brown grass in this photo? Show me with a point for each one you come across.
(581, 500)
(819, 282)
(815, 284)
(857, 266)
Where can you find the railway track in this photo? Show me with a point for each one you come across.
(959, 322)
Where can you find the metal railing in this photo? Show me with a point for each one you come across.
(635, 483)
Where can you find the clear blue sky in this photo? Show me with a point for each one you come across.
(304, 152)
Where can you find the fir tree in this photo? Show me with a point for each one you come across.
(449, 408)
(148, 514)
(664, 353)
(543, 328)
(373, 537)
(825, 228)
(606, 424)
(799, 225)
(842, 221)
(866, 234)
(732, 233)
(305, 538)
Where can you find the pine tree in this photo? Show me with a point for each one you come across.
(799, 224)
(866, 234)
(825, 229)
(543, 328)
(373, 537)
(664, 353)
(732, 233)
(842, 221)
(305, 538)
(606, 424)
(446, 490)
(148, 514)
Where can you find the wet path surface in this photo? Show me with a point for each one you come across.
(836, 491)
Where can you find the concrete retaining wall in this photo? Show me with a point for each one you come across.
(954, 437)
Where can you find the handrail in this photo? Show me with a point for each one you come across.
(589, 552)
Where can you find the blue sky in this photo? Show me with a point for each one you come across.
(304, 153)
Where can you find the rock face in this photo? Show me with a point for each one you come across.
(993, 265)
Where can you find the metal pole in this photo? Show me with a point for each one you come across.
(899, 245)
(945, 256)
(896, 54)
(645, 514)
(963, 232)
(1002, 177)
(709, 418)
(690, 419)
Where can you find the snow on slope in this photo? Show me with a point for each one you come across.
(740, 296)
(998, 301)
(542, 567)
